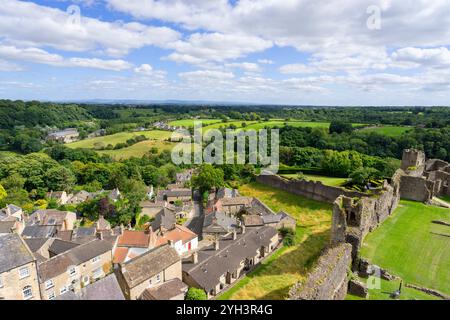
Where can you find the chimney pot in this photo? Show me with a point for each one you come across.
(216, 245)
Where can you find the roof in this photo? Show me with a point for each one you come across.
(65, 235)
(103, 224)
(218, 222)
(84, 231)
(179, 193)
(166, 291)
(275, 218)
(105, 289)
(245, 201)
(120, 254)
(35, 243)
(227, 193)
(38, 231)
(14, 252)
(7, 226)
(215, 263)
(180, 233)
(253, 220)
(48, 217)
(131, 238)
(75, 256)
(143, 267)
(166, 219)
(60, 246)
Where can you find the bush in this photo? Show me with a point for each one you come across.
(196, 294)
(288, 235)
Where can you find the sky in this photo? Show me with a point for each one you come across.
(340, 52)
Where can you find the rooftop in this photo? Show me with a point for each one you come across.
(14, 252)
(131, 238)
(166, 291)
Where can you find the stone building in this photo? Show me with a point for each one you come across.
(18, 271)
(146, 271)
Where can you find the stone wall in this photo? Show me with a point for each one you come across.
(354, 218)
(314, 190)
(328, 280)
(417, 188)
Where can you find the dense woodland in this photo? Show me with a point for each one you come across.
(30, 167)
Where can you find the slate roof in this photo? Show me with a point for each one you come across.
(48, 217)
(143, 267)
(7, 226)
(275, 218)
(76, 256)
(14, 252)
(245, 201)
(83, 231)
(213, 264)
(218, 222)
(227, 193)
(36, 243)
(38, 231)
(105, 289)
(166, 291)
(253, 220)
(60, 246)
(166, 219)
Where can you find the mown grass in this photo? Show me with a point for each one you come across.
(119, 138)
(139, 149)
(187, 123)
(329, 181)
(392, 131)
(275, 276)
(411, 246)
(388, 287)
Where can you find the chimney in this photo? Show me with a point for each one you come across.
(243, 228)
(100, 235)
(216, 244)
(195, 257)
(170, 243)
(234, 235)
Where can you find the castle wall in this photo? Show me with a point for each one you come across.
(328, 280)
(416, 188)
(314, 190)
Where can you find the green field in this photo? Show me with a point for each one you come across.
(388, 287)
(329, 181)
(188, 123)
(392, 131)
(138, 150)
(119, 138)
(410, 246)
(275, 276)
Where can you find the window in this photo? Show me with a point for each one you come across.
(51, 296)
(158, 278)
(97, 273)
(63, 290)
(49, 284)
(24, 272)
(95, 259)
(72, 271)
(27, 293)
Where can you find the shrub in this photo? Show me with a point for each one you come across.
(196, 294)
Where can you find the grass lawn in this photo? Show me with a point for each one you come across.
(275, 276)
(329, 181)
(388, 287)
(409, 245)
(392, 131)
(138, 149)
(118, 138)
(187, 123)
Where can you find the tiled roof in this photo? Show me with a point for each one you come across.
(180, 233)
(166, 291)
(145, 266)
(7, 226)
(131, 238)
(38, 231)
(60, 246)
(13, 252)
(253, 220)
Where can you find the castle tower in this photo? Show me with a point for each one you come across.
(413, 160)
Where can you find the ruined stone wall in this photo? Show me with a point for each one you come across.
(416, 188)
(314, 190)
(328, 280)
(413, 162)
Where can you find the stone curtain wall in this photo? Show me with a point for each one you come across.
(314, 190)
(328, 281)
(417, 188)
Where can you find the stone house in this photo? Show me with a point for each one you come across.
(75, 268)
(12, 212)
(61, 197)
(80, 197)
(18, 272)
(233, 206)
(153, 268)
(216, 267)
(180, 238)
(172, 196)
(64, 136)
(131, 244)
(279, 221)
(104, 289)
(62, 220)
(171, 290)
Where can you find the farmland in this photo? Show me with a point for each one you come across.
(391, 131)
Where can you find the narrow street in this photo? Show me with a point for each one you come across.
(195, 224)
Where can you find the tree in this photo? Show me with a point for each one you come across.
(3, 193)
(196, 294)
(60, 178)
(363, 175)
(207, 178)
(340, 127)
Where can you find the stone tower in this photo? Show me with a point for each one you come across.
(413, 161)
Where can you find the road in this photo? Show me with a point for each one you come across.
(195, 224)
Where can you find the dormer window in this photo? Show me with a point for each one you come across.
(72, 271)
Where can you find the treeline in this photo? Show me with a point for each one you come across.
(433, 141)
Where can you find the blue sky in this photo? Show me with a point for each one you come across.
(264, 51)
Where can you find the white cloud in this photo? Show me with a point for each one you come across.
(296, 68)
(434, 57)
(36, 55)
(246, 66)
(144, 69)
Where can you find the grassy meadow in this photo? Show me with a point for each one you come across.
(274, 277)
(412, 247)
(391, 131)
(328, 181)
